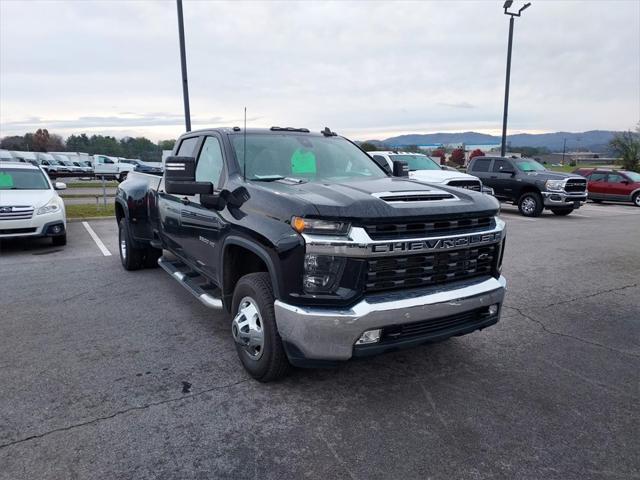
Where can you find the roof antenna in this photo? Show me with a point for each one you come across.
(244, 150)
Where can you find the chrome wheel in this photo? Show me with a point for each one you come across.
(123, 249)
(636, 199)
(529, 205)
(247, 328)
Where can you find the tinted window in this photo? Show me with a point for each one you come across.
(188, 147)
(529, 165)
(481, 165)
(499, 165)
(417, 162)
(598, 177)
(210, 163)
(615, 178)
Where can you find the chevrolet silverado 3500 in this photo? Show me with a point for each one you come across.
(317, 253)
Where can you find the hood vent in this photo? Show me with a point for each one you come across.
(415, 196)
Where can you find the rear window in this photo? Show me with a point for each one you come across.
(22, 179)
(481, 165)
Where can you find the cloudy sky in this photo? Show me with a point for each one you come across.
(367, 69)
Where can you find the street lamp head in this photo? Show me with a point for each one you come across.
(507, 4)
(526, 5)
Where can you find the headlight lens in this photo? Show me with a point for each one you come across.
(51, 206)
(322, 273)
(322, 227)
(555, 185)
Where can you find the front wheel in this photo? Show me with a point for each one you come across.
(254, 329)
(636, 199)
(530, 204)
(562, 211)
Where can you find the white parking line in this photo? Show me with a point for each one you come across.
(96, 239)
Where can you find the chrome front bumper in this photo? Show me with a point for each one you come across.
(555, 199)
(330, 334)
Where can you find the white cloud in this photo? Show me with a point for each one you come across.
(366, 69)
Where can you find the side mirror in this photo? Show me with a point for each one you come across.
(180, 177)
(400, 168)
(60, 186)
(625, 182)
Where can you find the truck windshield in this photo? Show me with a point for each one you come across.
(303, 157)
(529, 165)
(22, 179)
(417, 162)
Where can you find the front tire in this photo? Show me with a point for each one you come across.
(254, 329)
(530, 204)
(561, 212)
(636, 199)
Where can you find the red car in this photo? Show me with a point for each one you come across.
(616, 185)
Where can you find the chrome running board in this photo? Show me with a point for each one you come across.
(195, 283)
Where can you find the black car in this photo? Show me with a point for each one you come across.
(316, 251)
(529, 185)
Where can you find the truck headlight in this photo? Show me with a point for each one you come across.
(322, 273)
(51, 206)
(319, 226)
(554, 185)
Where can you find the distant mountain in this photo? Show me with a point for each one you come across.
(594, 140)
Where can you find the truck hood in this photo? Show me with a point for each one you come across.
(439, 176)
(360, 199)
(33, 198)
(549, 175)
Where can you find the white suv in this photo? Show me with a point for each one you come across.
(29, 204)
(425, 169)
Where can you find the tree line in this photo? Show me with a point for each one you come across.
(43, 141)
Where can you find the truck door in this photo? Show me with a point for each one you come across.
(502, 179)
(480, 168)
(170, 206)
(202, 226)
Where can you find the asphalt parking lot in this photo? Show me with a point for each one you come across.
(113, 374)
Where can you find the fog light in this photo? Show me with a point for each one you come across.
(370, 336)
(493, 309)
(56, 229)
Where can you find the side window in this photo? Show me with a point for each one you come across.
(188, 147)
(481, 165)
(499, 165)
(598, 177)
(108, 160)
(615, 178)
(210, 162)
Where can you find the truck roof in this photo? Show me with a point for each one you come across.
(272, 130)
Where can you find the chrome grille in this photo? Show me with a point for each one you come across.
(431, 228)
(475, 185)
(410, 271)
(576, 185)
(16, 213)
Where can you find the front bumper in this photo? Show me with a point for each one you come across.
(322, 334)
(37, 226)
(560, 199)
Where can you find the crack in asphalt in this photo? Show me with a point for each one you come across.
(582, 297)
(120, 412)
(560, 334)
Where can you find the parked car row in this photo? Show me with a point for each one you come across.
(78, 164)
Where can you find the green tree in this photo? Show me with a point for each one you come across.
(166, 144)
(368, 147)
(627, 146)
(41, 140)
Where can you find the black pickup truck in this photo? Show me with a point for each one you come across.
(529, 185)
(318, 254)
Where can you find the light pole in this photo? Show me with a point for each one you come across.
(506, 6)
(183, 62)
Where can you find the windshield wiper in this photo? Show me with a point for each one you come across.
(273, 178)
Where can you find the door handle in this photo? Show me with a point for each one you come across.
(185, 201)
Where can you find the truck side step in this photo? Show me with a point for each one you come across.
(195, 283)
